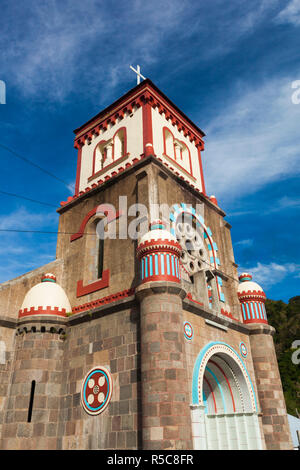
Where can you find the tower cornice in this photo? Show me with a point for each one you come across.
(144, 93)
(130, 168)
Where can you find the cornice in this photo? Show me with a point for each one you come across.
(144, 93)
(130, 168)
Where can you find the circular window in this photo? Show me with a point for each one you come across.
(189, 246)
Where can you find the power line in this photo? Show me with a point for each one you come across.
(89, 233)
(40, 231)
(34, 164)
(27, 199)
(45, 232)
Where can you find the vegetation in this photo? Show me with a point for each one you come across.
(285, 318)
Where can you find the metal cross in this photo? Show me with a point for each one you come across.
(138, 73)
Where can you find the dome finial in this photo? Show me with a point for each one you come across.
(48, 277)
(245, 277)
(157, 224)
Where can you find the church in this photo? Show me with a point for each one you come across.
(140, 334)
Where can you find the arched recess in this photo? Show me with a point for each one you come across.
(224, 400)
(106, 152)
(92, 244)
(209, 259)
(177, 150)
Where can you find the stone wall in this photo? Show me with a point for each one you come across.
(58, 363)
(275, 422)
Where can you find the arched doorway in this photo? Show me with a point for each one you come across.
(224, 410)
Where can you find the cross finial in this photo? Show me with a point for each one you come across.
(138, 73)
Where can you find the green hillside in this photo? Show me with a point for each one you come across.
(285, 318)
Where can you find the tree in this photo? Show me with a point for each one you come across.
(285, 318)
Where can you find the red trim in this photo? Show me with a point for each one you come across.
(245, 297)
(94, 286)
(256, 320)
(201, 171)
(102, 207)
(158, 246)
(217, 365)
(43, 311)
(228, 314)
(252, 294)
(189, 296)
(103, 301)
(147, 127)
(78, 170)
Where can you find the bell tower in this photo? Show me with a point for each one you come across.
(143, 122)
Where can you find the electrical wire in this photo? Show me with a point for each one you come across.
(34, 165)
(27, 199)
(93, 234)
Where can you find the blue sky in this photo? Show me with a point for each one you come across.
(228, 65)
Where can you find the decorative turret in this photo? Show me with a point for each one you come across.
(252, 298)
(159, 253)
(45, 298)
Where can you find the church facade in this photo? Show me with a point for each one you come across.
(139, 335)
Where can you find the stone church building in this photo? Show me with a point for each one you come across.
(143, 341)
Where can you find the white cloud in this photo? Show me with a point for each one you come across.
(22, 219)
(270, 274)
(253, 141)
(55, 47)
(290, 14)
(21, 251)
(246, 242)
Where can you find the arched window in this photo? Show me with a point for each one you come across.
(119, 143)
(108, 151)
(184, 154)
(169, 143)
(177, 151)
(94, 253)
(101, 155)
(100, 257)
